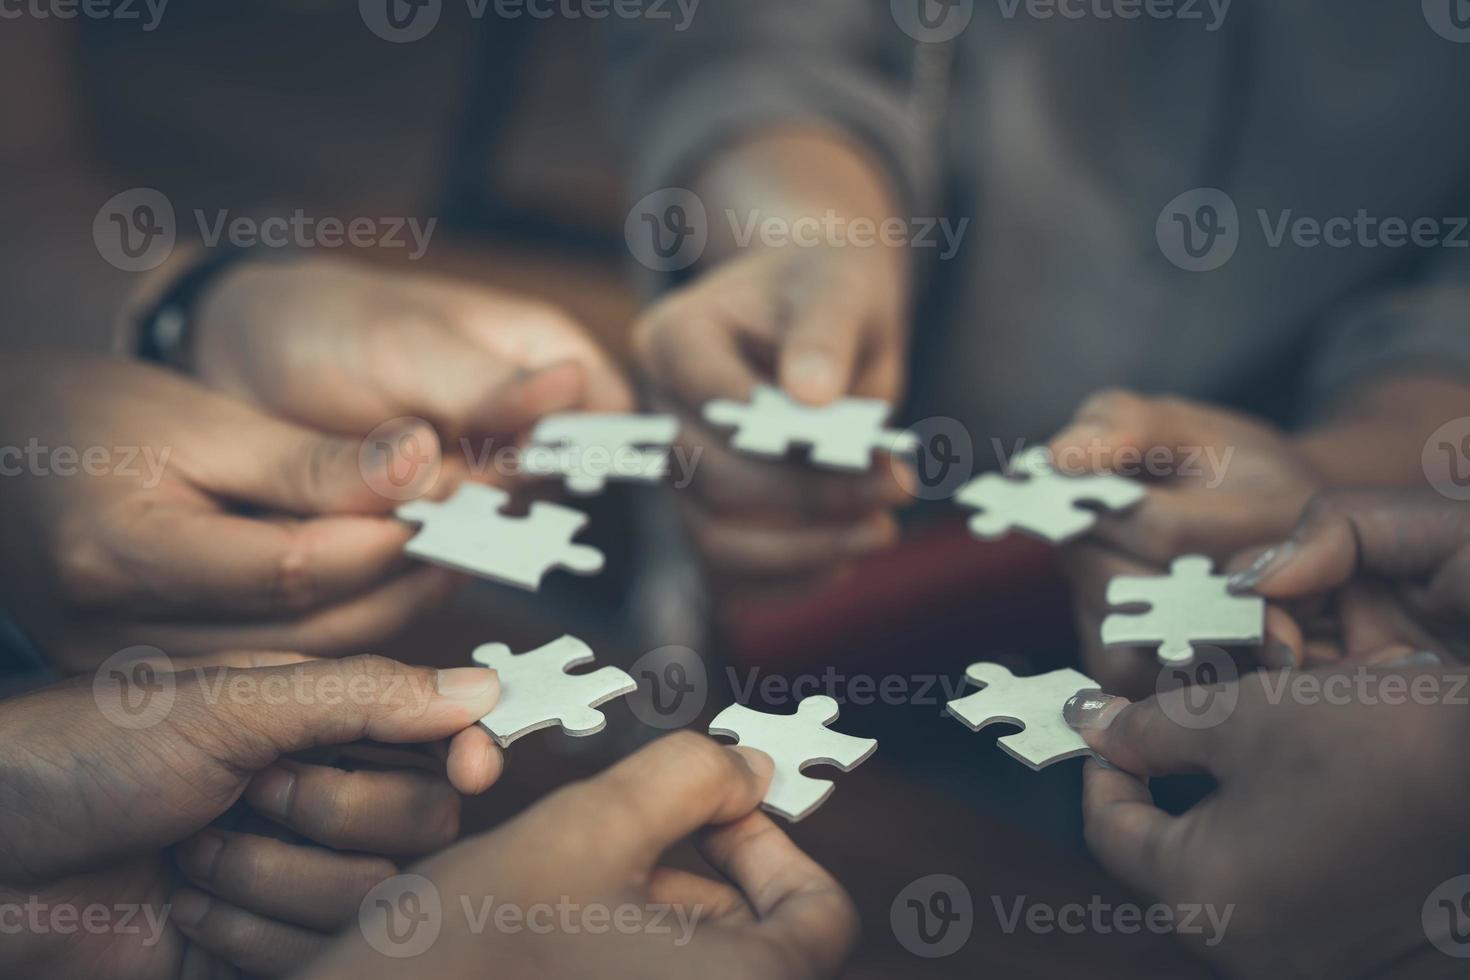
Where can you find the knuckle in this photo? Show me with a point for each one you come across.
(1107, 402)
(84, 569)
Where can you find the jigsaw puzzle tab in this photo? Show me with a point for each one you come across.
(537, 692)
(469, 533)
(587, 449)
(794, 742)
(1188, 606)
(1035, 703)
(840, 436)
(1036, 499)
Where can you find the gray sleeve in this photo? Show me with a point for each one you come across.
(1422, 325)
(742, 65)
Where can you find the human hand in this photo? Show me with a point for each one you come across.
(1368, 575)
(99, 777)
(593, 848)
(822, 324)
(192, 522)
(345, 347)
(1334, 821)
(1216, 482)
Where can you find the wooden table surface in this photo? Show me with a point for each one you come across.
(908, 812)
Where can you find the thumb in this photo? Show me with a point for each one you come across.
(175, 748)
(819, 352)
(525, 397)
(1344, 533)
(285, 467)
(261, 713)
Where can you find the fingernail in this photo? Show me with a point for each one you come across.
(198, 855)
(1101, 762)
(271, 792)
(1267, 563)
(188, 907)
(813, 372)
(760, 763)
(1092, 710)
(1277, 656)
(1420, 658)
(466, 683)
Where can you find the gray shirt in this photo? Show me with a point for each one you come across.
(1068, 142)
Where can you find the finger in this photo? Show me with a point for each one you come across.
(1107, 430)
(330, 631)
(285, 467)
(1284, 644)
(658, 796)
(1132, 838)
(237, 658)
(819, 350)
(521, 400)
(303, 886)
(534, 336)
(798, 903)
(1396, 535)
(1142, 737)
(474, 761)
(712, 899)
(696, 360)
(382, 812)
(260, 714)
(255, 944)
(205, 561)
(1173, 521)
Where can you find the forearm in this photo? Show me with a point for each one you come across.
(1376, 435)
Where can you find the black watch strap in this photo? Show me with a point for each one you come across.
(165, 334)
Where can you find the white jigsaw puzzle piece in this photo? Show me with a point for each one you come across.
(537, 692)
(1189, 605)
(587, 449)
(841, 436)
(1035, 703)
(469, 533)
(1042, 502)
(795, 742)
